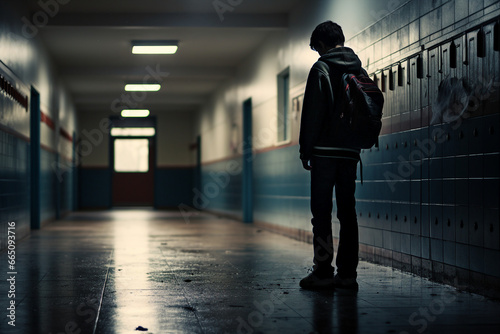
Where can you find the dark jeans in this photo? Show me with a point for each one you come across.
(326, 174)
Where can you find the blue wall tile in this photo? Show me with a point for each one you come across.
(174, 186)
(94, 188)
(14, 186)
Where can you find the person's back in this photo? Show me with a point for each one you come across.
(327, 151)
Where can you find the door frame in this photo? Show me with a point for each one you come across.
(247, 160)
(120, 122)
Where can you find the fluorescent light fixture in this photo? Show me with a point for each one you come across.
(142, 87)
(154, 47)
(133, 132)
(135, 113)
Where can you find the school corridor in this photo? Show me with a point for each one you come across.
(150, 178)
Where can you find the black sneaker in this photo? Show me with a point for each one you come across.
(345, 283)
(315, 282)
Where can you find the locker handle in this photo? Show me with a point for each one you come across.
(496, 37)
(453, 55)
(481, 43)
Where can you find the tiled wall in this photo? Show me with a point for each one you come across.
(48, 184)
(14, 185)
(94, 188)
(173, 187)
(430, 199)
(221, 187)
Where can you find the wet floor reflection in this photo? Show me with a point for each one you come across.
(111, 272)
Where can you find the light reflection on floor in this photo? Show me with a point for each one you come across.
(112, 271)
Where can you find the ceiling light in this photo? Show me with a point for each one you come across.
(142, 87)
(154, 47)
(133, 132)
(135, 113)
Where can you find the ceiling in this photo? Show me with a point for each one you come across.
(90, 43)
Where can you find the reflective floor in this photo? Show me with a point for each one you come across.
(145, 271)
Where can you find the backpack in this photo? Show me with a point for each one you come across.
(362, 109)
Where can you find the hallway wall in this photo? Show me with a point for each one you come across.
(24, 63)
(430, 199)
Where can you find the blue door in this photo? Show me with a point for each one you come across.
(247, 196)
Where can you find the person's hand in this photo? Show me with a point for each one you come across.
(306, 164)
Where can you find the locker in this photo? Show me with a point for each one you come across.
(462, 256)
(449, 253)
(395, 146)
(477, 129)
(491, 229)
(475, 192)
(462, 192)
(476, 258)
(475, 70)
(490, 133)
(476, 226)
(385, 148)
(405, 218)
(437, 250)
(415, 191)
(425, 248)
(434, 79)
(436, 221)
(414, 94)
(425, 220)
(416, 245)
(490, 192)
(449, 192)
(396, 217)
(396, 241)
(449, 145)
(436, 191)
(405, 144)
(449, 223)
(405, 243)
(462, 224)
(449, 168)
(491, 165)
(491, 66)
(476, 166)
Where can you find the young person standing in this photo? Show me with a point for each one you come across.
(328, 153)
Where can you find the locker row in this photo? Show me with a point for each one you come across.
(470, 60)
(468, 225)
(465, 256)
(479, 135)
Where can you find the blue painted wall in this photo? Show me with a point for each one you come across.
(94, 186)
(48, 184)
(14, 186)
(221, 187)
(173, 187)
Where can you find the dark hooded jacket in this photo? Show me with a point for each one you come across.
(321, 130)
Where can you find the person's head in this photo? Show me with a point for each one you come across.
(326, 36)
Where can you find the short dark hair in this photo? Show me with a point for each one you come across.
(330, 33)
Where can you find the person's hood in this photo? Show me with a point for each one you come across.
(342, 59)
